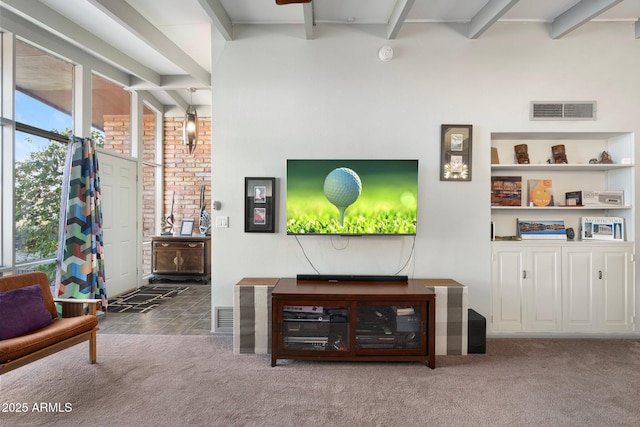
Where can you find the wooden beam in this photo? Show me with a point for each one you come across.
(398, 15)
(487, 16)
(54, 23)
(219, 17)
(307, 10)
(137, 24)
(177, 99)
(579, 14)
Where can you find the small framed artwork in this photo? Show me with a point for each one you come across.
(259, 205)
(186, 228)
(455, 160)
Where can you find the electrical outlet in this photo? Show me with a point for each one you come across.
(222, 222)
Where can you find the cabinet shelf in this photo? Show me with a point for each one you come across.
(560, 208)
(562, 286)
(559, 167)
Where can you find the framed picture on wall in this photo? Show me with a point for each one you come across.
(259, 205)
(455, 148)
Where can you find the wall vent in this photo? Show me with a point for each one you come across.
(558, 110)
(223, 320)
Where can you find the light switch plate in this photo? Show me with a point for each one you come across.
(222, 222)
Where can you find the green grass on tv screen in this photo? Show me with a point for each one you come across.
(387, 203)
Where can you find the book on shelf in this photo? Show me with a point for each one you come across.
(602, 228)
(506, 191)
(540, 192)
(541, 229)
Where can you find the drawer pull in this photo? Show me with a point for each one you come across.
(164, 244)
(193, 245)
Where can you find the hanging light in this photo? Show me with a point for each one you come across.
(190, 127)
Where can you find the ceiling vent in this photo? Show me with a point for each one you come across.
(552, 110)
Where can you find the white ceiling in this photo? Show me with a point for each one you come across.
(165, 45)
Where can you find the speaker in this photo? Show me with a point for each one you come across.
(477, 333)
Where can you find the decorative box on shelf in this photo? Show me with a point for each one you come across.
(594, 198)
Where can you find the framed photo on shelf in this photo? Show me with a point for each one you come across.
(455, 148)
(259, 205)
(186, 228)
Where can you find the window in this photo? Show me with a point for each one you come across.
(43, 120)
(111, 115)
(44, 90)
(151, 170)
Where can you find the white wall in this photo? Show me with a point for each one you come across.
(278, 96)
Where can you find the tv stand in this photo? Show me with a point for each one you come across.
(352, 278)
(353, 321)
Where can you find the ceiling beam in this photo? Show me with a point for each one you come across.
(177, 99)
(579, 14)
(398, 15)
(137, 24)
(487, 16)
(168, 82)
(219, 17)
(307, 10)
(58, 25)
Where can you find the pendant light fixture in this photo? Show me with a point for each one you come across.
(190, 127)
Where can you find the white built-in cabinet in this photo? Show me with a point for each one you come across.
(598, 288)
(561, 286)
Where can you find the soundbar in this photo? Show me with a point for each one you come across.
(352, 278)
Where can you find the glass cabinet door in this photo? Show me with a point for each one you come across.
(315, 328)
(388, 327)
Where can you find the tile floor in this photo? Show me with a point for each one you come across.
(186, 314)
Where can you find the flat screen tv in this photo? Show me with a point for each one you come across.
(352, 197)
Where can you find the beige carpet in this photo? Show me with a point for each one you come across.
(152, 380)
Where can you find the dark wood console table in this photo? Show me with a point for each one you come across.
(351, 321)
(181, 258)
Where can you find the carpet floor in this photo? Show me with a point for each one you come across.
(144, 299)
(153, 380)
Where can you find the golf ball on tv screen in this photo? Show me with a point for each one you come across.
(342, 187)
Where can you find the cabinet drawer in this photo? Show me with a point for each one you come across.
(178, 245)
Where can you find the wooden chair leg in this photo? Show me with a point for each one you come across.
(92, 347)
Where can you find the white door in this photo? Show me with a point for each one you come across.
(119, 201)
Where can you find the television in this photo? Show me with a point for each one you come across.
(352, 197)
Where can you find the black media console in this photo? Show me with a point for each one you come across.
(352, 278)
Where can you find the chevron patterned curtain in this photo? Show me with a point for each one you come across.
(80, 263)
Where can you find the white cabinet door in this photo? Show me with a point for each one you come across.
(542, 287)
(615, 283)
(578, 311)
(598, 288)
(526, 288)
(507, 268)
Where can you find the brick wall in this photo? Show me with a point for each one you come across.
(117, 129)
(186, 173)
